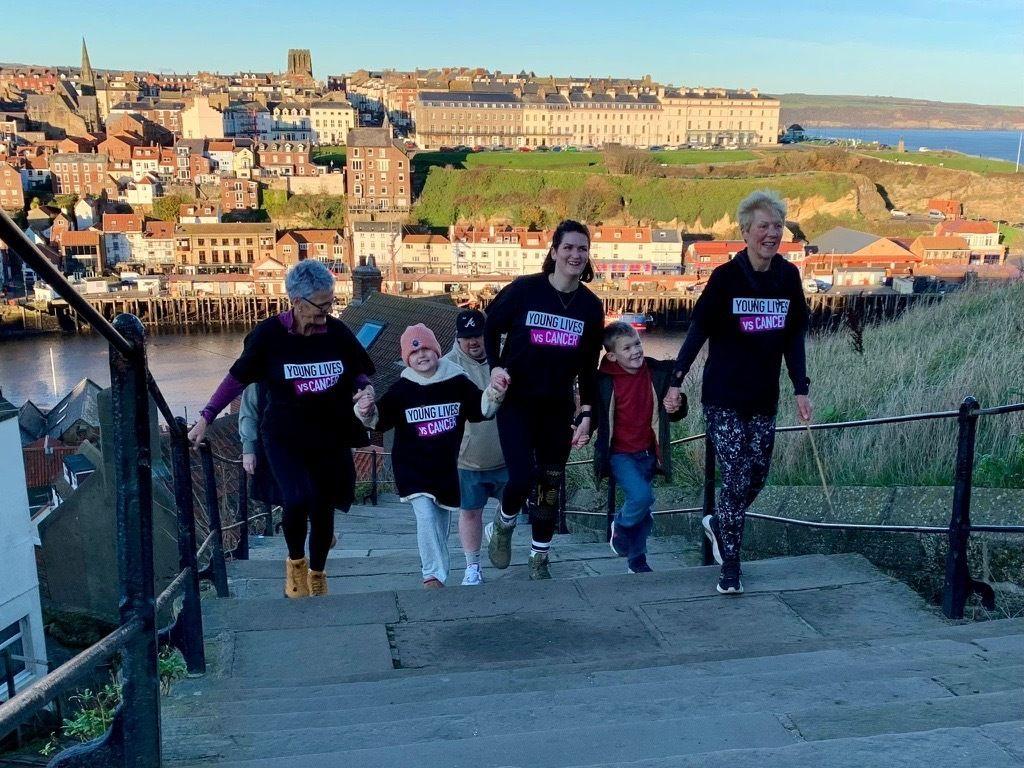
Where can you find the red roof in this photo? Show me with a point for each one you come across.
(217, 278)
(122, 222)
(427, 239)
(84, 237)
(953, 207)
(966, 227)
(160, 230)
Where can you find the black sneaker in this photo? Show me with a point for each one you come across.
(729, 582)
(617, 542)
(714, 534)
(639, 565)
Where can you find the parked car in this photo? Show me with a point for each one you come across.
(446, 149)
(572, 149)
(542, 148)
(655, 148)
(897, 214)
(810, 285)
(479, 148)
(556, 149)
(936, 215)
(525, 149)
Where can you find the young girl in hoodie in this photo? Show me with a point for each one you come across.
(428, 408)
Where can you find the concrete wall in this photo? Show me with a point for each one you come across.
(328, 184)
(19, 582)
(919, 560)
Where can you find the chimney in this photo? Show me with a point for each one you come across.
(366, 279)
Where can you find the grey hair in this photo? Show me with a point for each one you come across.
(308, 277)
(766, 200)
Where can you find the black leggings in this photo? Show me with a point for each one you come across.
(320, 519)
(535, 439)
(313, 481)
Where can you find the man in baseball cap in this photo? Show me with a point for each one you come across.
(482, 472)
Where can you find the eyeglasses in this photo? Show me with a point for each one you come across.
(325, 307)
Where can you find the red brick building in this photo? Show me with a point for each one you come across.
(326, 245)
(239, 194)
(12, 197)
(378, 173)
(81, 174)
(286, 158)
(951, 209)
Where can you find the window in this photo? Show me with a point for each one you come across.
(12, 640)
(369, 333)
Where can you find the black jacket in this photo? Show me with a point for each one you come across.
(751, 321)
(604, 414)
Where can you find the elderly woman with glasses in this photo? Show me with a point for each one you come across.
(312, 367)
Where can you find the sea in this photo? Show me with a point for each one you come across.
(1001, 145)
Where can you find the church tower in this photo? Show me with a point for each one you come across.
(87, 81)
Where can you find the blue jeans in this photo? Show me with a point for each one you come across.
(633, 473)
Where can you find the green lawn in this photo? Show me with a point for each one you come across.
(952, 160)
(1012, 236)
(592, 162)
(327, 154)
(698, 156)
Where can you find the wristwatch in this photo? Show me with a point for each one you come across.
(580, 417)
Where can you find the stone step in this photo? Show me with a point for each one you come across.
(990, 746)
(563, 742)
(923, 657)
(487, 715)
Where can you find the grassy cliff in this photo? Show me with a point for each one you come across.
(972, 343)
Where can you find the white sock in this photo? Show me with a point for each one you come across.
(472, 558)
(540, 547)
(507, 521)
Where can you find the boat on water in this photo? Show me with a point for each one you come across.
(638, 320)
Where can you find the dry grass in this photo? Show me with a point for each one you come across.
(972, 343)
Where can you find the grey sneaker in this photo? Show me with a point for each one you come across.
(499, 542)
(539, 566)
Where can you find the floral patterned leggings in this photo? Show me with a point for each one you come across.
(743, 449)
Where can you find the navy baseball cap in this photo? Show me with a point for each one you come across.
(468, 323)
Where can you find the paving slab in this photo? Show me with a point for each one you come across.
(299, 654)
(571, 636)
(845, 721)
(883, 607)
(229, 614)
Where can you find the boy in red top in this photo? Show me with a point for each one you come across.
(633, 435)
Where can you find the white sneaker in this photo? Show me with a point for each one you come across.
(474, 576)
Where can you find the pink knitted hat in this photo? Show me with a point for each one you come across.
(417, 337)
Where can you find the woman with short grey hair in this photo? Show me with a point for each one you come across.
(311, 366)
(753, 314)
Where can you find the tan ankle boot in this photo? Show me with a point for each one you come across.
(296, 578)
(318, 583)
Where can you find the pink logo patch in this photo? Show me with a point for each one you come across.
(761, 323)
(546, 338)
(434, 428)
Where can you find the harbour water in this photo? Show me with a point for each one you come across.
(187, 366)
(998, 144)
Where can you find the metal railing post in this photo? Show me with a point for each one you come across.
(218, 571)
(188, 631)
(268, 526)
(242, 548)
(958, 578)
(563, 525)
(709, 495)
(611, 508)
(139, 712)
(373, 479)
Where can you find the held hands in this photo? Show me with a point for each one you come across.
(197, 434)
(673, 400)
(500, 379)
(249, 463)
(581, 434)
(804, 409)
(365, 400)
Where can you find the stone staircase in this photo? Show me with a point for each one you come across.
(825, 661)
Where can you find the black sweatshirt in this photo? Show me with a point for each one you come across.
(753, 320)
(553, 338)
(309, 379)
(429, 417)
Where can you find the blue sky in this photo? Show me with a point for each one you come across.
(949, 50)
